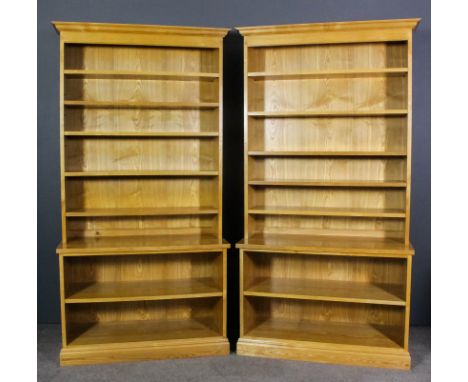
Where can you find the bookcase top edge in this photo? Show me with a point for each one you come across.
(330, 26)
(69, 26)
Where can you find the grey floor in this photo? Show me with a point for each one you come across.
(231, 368)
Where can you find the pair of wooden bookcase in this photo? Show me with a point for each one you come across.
(325, 270)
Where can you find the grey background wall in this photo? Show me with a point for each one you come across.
(224, 13)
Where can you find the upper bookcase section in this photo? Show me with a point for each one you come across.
(126, 34)
(329, 33)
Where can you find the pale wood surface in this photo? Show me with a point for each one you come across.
(325, 353)
(142, 243)
(142, 290)
(144, 350)
(325, 272)
(327, 290)
(328, 332)
(142, 259)
(141, 330)
(319, 244)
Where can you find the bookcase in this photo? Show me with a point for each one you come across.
(142, 259)
(325, 264)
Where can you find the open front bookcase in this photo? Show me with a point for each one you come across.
(142, 260)
(326, 258)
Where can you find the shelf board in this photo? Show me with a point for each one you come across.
(129, 74)
(327, 153)
(140, 330)
(142, 134)
(329, 211)
(343, 333)
(163, 211)
(328, 245)
(142, 291)
(327, 113)
(143, 104)
(138, 173)
(141, 244)
(327, 183)
(328, 290)
(352, 73)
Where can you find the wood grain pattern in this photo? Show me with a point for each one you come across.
(142, 259)
(324, 353)
(141, 351)
(325, 263)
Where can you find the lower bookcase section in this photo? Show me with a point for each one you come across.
(349, 333)
(107, 332)
(124, 322)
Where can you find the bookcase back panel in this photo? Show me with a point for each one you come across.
(140, 120)
(327, 94)
(290, 59)
(386, 273)
(143, 321)
(302, 197)
(327, 226)
(140, 58)
(111, 154)
(355, 169)
(88, 193)
(107, 269)
(141, 226)
(138, 90)
(328, 134)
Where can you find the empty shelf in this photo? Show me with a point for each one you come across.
(327, 153)
(143, 104)
(128, 74)
(351, 73)
(141, 330)
(328, 332)
(138, 244)
(142, 290)
(329, 211)
(163, 211)
(139, 173)
(327, 183)
(142, 134)
(341, 245)
(327, 113)
(328, 290)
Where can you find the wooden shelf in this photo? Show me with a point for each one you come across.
(129, 74)
(351, 73)
(138, 173)
(328, 332)
(141, 244)
(329, 211)
(353, 245)
(138, 331)
(142, 134)
(327, 113)
(163, 211)
(142, 291)
(328, 290)
(327, 153)
(142, 104)
(327, 183)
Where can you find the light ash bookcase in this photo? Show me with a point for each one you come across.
(325, 264)
(142, 259)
